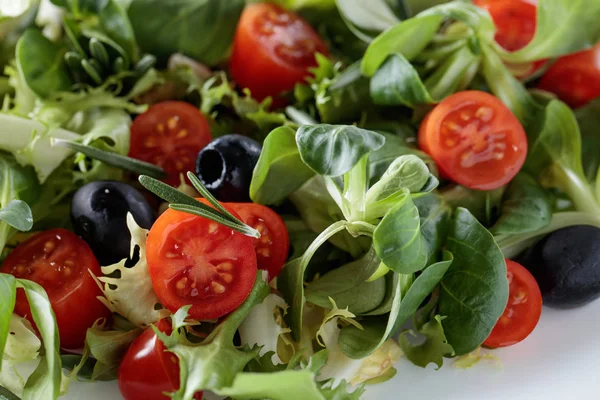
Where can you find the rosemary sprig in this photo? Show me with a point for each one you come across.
(182, 202)
(113, 159)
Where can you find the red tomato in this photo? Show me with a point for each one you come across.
(515, 22)
(274, 243)
(523, 310)
(273, 50)
(198, 262)
(60, 262)
(170, 134)
(575, 78)
(475, 140)
(148, 370)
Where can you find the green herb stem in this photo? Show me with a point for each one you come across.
(321, 239)
(578, 190)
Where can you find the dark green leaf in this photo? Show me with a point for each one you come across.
(108, 347)
(398, 240)
(279, 170)
(201, 29)
(434, 214)
(578, 29)
(41, 64)
(588, 118)
(8, 293)
(526, 207)
(6, 394)
(18, 215)
(408, 38)
(432, 350)
(391, 281)
(114, 159)
(474, 291)
(396, 83)
(332, 150)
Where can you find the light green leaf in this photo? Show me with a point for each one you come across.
(163, 27)
(8, 293)
(408, 38)
(398, 240)
(18, 215)
(578, 29)
(451, 76)
(474, 291)
(108, 347)
(526, 207)
(432, 350)
(280, 170)
(366, 20)
(41, 65)
(397, 82)
(588, 118)
(332, 150)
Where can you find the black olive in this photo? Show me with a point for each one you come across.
(225, 167)
(566, 265)
(99, 215)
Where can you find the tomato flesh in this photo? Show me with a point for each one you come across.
(273, 50)
(475, 140)
(61, 263)
(170, 134)
(148, 370)
(575, 78)
(523, 310)
(193, 260)
(274, 244)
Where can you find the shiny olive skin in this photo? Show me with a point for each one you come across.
(99, 215)
(566, 265)
(225, 167)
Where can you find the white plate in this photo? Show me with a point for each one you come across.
(558, 361)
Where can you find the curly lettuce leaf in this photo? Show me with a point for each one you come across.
(132, 295)
(432, 349)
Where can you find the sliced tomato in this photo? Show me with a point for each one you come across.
(523, 310)
(515, 22)
(148, 370)
(475, 140)
(273, 50)
(61, 263)
(575, 78)
(170, 134)
(198, 262)
(274, 243)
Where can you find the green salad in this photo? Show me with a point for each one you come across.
(284, 199)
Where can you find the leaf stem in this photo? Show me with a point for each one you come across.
(321, 239)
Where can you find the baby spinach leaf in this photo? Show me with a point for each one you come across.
(18, 215)
(41, 64)
(279, 170)
(398, 240)
(397, 82)
(474, 291)
(526, 207)
(555, 152)
(332, 150)
(476, 17)
(408, 38)
(479, 203)
(391, 280)
(201, 29)
(588, 118)
(454, 73)
(434, 214)
(432, 350)
(366, 20)
(577, 30)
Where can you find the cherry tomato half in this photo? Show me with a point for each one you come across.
(475, 140)
(273, 50)
(575, 78)
(148, 370)
(170, 134)
(515, 22)
(61, 263)
(523, 310)
(198, 262)
(274, 243)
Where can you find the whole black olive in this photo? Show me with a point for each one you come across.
(99, 215)
(566, 265)
(225, 167)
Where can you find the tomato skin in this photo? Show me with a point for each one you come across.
(273, 50)
(475, 140)
(59, 261)
(148, 370)
(170, 134)
(523, 310)
(198, 262)
(575, 78)
(273, 246)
